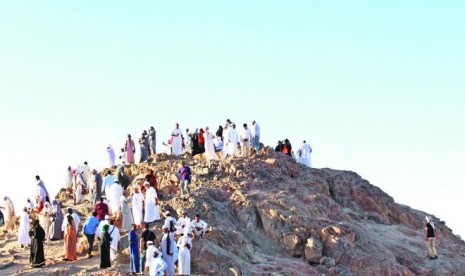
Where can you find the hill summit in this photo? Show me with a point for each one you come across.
(269, 215)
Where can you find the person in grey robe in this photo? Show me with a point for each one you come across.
(54, 231)
(127, 214)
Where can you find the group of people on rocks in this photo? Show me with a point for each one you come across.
(302, 155)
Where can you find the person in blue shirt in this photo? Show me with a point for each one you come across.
(89, 229)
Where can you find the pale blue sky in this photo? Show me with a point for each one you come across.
(377, 88)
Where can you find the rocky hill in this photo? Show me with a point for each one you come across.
(271, 216)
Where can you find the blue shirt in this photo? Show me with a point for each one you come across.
(90, 226)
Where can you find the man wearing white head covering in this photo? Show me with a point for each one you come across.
(158, 265)
(168, 249)
(183, 223)
(137, 206)
(152, 213)
(103, 222)
(169, 220)
(245, 137)
(149, 253)
(77, 220)
(430, 231)
(79, 186)
(184, 256)
(86, 172)
(9, 215)
(23, 232)
(111, 156)
(176, 135)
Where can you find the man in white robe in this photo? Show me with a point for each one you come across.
(41, 193)
(184, 256)
(23, 232)
(80, 185)
(115, 237)
(176, 134)
(225, 150)
(305, 152)
(108, 181)
(152, 213)
(245, 137)
(137, 206)
(210, 153)
(86, 172)
(44, 218)
(111, 156)
(169, 250)
(183, 223)
(198, 226)
(158, 265)
(114, 194)
(169, 220)
(149, 253)
(255, 131)
(233, 138)
(77, 220)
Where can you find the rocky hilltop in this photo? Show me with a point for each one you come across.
(272, 216)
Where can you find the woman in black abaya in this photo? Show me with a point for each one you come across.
(37, 235)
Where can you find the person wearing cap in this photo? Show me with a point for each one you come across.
(169, 250)
(198, 226)
(133, 251)
(184, 174)
(101, 208)
(89, 229)
(430, 233)
(157, 265)
(146, 237)
(183, 223)
(184, 256)
(101, 224)
(149, 253)
(130, 150)
(152, 212)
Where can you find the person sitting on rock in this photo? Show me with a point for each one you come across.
(199, 227)
(183, 223)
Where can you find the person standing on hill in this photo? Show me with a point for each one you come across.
(70, 239)
(255, 131)
(219, 132)
(233, 139)
(184, 256)
(430, 231)
(153, 140)
(130, 150)
(184, 174)
(147, 236)
(101, 209)
(107, 182)
(303, 154)
(287, 148)
(152, 179)
(111, 156)
(133, 251)
(89, 229)
(104, 248)
(41, 190)
(210, 153)
(115, 237)
(37, 234)
(144, 151)
(55, 232)
(245, 137)
(126, 213)
(201, 141)
(176, 135)
(152, 213)
(137, 206)
(23, 232)
(95, 187)
(85, 169)
(168, 249)
(69, 180)
(10, 217)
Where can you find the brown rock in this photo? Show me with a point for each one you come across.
(313, 249)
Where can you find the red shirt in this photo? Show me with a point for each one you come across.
(102, 210)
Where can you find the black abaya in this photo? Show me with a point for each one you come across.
(37, 235)
(105, 250)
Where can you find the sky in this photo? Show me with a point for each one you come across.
(377, 88)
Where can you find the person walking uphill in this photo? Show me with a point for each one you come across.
(89, 228)
(184, 174)
(430, 231)
(37, 234)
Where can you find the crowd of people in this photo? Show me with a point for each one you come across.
(136, 206)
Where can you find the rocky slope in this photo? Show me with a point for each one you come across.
(272, 216)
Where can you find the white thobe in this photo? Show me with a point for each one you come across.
(168, 220)
(44, 217)
(305, 151)
(182, 224)
(23, 232)
(218, 144)
(41, 193)
(149, 254)
(76, 219)
(198, 227)
(158, 266)
(177, 142)
(114, 234)
(169, 259)
(152, 212)
(108, 181)
(184, 255)
(137, 207)
(114, 198)
(209, 147)
(233, 138)
(69, 179)
(86, 172)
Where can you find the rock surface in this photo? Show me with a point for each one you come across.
(271, 216)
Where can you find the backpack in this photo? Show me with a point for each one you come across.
(172, 228)
(123, 179)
